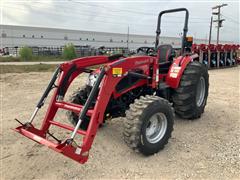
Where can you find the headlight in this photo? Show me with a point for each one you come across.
(92, 78)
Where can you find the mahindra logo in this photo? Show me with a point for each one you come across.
(141, 62)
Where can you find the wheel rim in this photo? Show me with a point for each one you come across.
(156, 128)
(200, 91)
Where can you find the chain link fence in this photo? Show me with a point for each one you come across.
(81, 51)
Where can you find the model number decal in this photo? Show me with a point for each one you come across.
(174, 71)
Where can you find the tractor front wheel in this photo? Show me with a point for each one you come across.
(148, 124)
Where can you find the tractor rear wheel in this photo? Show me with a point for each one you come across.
(79, 97)
(148, 124)
(190, 98)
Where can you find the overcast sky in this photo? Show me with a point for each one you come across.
(116, 16)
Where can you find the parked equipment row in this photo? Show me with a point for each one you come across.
(217, 56)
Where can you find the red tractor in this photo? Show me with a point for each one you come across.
(143, 89)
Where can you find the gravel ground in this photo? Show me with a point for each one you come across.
(208, 148)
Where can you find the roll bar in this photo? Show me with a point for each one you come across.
(185, 29)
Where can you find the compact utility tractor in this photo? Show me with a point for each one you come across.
(144, 90)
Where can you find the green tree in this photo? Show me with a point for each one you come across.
(69, 52)
(26, 53)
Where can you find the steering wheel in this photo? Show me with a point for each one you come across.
(145, 50)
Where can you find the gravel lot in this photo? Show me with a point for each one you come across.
(208, 148)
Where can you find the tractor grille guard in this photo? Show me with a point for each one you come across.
(67, 147)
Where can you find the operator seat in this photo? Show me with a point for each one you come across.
(165, 57)
(164, 53)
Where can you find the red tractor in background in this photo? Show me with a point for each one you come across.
(144, 89)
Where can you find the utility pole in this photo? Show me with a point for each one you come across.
(219, 20)
(210, 31)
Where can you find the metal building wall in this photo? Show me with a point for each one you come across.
(12, 36)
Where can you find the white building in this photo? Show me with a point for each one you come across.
(12, 36)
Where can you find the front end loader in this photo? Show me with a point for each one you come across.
(145, 89)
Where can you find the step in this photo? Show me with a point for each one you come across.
(163, 85)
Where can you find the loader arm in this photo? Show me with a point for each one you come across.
(102, 91)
